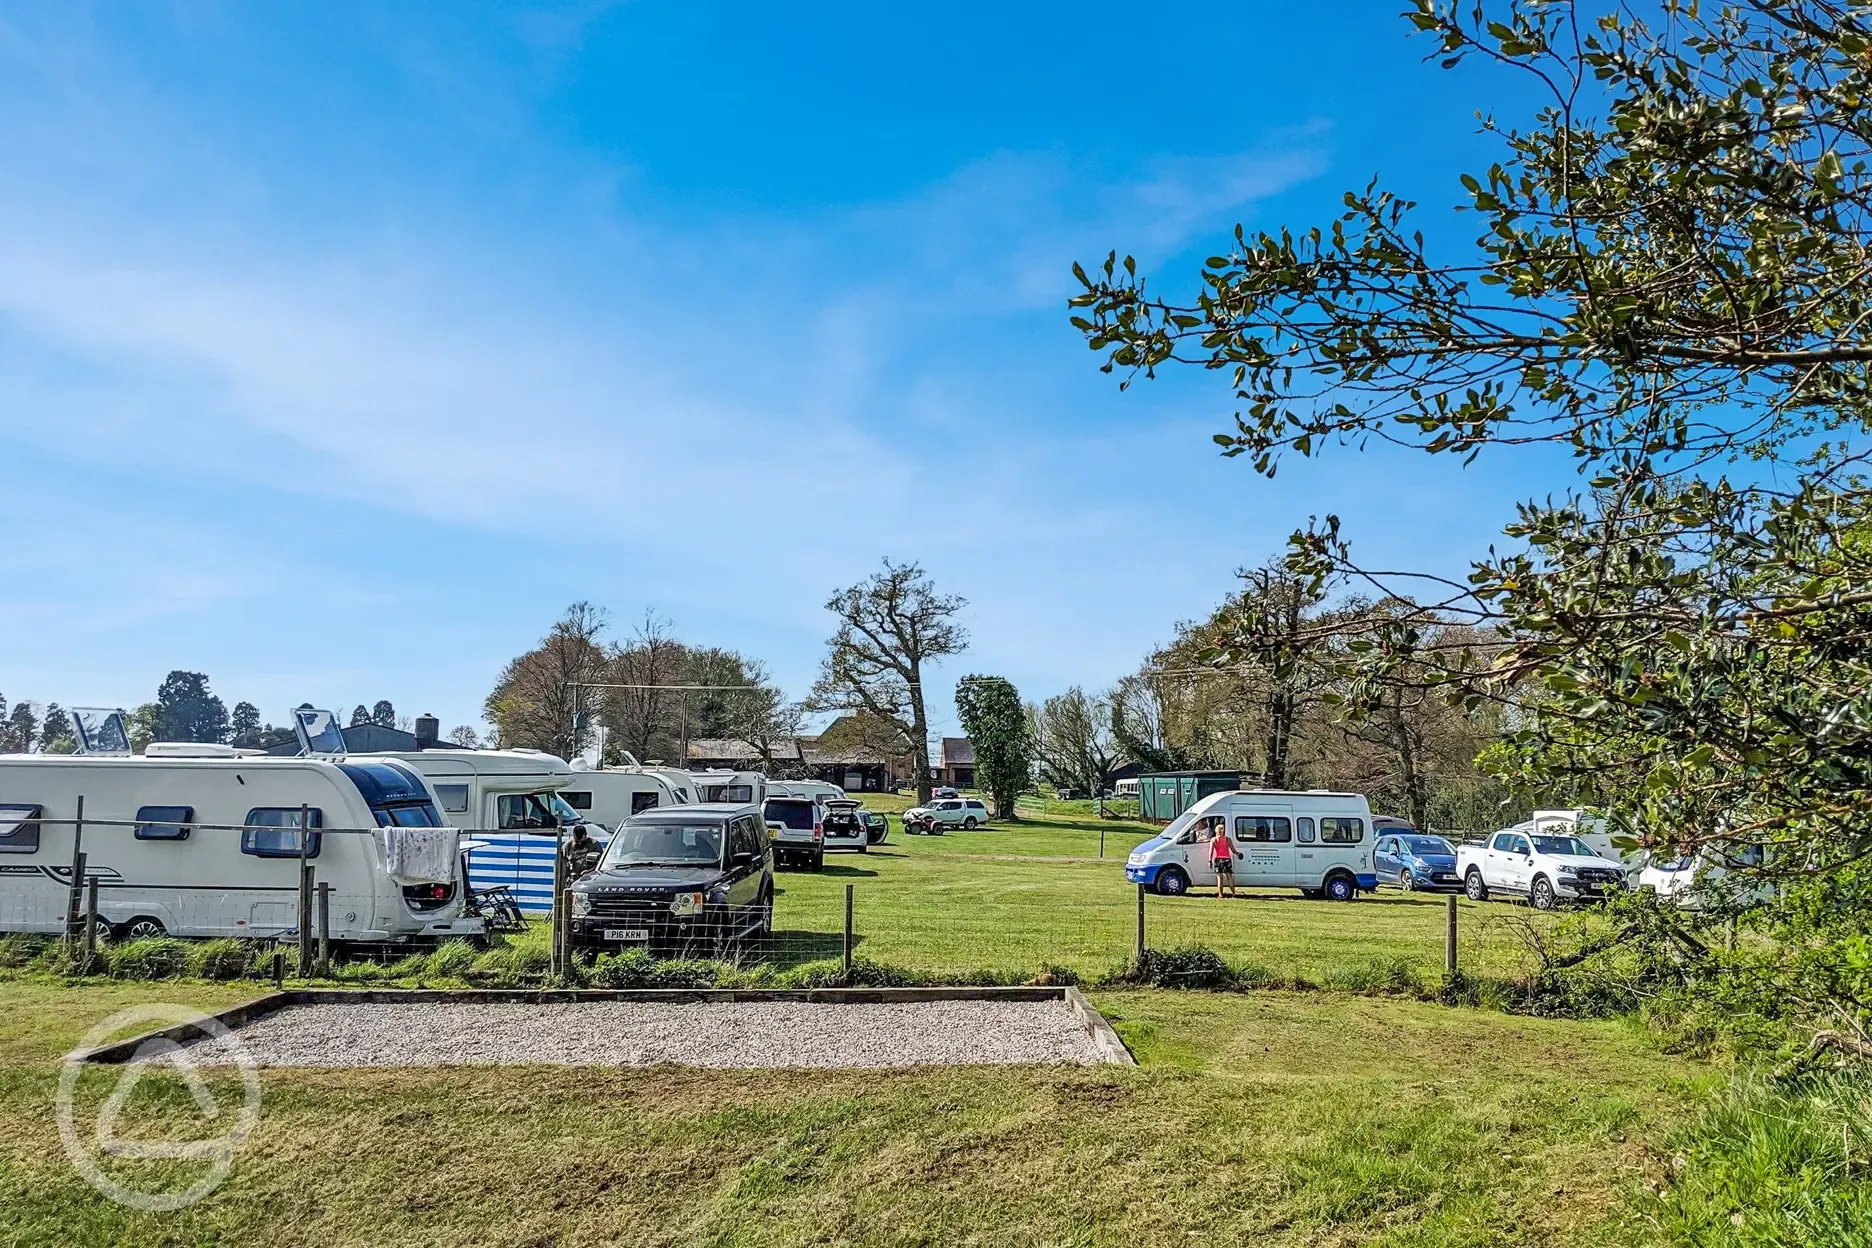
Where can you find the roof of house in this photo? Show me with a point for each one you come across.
(732, 749)
(361, 739)
(958, 752)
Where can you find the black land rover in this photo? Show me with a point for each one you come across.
(684, 881)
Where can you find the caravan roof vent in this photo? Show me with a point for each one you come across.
(189, 749)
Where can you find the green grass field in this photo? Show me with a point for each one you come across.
(1013, 897)
(1268, 1118)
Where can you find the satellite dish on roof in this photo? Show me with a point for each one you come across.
(318, 731)
(100, 730)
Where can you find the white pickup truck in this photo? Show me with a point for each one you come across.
(1546, 868)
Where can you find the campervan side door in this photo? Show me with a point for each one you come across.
(1264, 845)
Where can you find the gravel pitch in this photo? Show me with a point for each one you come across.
(645, 1033)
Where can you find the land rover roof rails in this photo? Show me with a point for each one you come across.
(100, 730)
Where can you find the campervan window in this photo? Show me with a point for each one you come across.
(521, 812)
(19, 829)
(454, 797)
(1338, 830)
(273, 832)
(164, 823)
(1262, 828)
(1304, 825)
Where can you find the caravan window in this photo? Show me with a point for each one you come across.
(164, 823)
(1335, 830)
(273, 832)
(19, 830)
(1264, 828)
(641, 802)
(454, 797)
(576, 799)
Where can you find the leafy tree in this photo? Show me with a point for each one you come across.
(56, 735)
(21, 729)
(143, 725)
(383, 715)
(992, 716)
(187, 710)
(244, 725)
(360, 715)
(538, 695)
(1669, 281)
(890, 625)
(1072, 737)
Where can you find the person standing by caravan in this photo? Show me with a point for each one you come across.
(1222, 856)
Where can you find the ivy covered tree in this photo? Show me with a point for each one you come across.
(1672, 279)
(992, 716)
(187, 710)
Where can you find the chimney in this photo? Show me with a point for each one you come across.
(428, 728)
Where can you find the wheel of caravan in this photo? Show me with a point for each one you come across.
(1474, 886)
(143, 927)
(1171, 882)
(968, 824)
(1543, 895)
(1405, 882)
(1341, 887)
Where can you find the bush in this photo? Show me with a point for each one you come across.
(637, 969)
(1192, 966)
(156, 957)
(221, 959)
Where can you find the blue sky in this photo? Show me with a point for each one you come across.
(342, 346)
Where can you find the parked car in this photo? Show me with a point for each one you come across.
(943, 790)
(686, 880)
(1545, 868)
(953, 812)
(844, 826)
(1414, 861)
(796, 826)
(1316, 842)
(877, 827)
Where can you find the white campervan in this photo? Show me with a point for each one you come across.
(739, 787)
(1317, 842)
(201, 840)
(607, 796)
(818, 790)
(509, 800)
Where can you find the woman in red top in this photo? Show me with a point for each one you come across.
(1222, 857)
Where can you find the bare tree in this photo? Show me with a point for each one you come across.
(760, 714)
(539, 694)
(890, 625)
(646, 716)
(465, 736)
(1073, 734)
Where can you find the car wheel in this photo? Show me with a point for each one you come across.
(1341, 888)
(143, 927)
(818, 861)
(1474, 886)
(1405, 882)
(1542, 894)
(1171, 882)
(765, 930)
(968, 824)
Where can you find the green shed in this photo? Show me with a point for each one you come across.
(1163, 795)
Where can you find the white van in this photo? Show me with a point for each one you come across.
(509, 800)
(201, 841)
(743, 788)
(818, 790)
(607, 796)
(1317, 842)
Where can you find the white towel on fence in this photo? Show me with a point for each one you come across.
(421, 855)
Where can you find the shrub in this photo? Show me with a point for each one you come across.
(155, 957)
(637, 969)
(221, 959)
(1192, 966)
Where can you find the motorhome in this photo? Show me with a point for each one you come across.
(739, 787)
(509, 800)
(607, 796)
(1317, 842)
(204, 841)
(818, 790)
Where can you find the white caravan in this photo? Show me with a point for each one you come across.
(201, 841)
(607, 796)
(1317, 842)
(509, 800)
(818, 790)
(743, 788)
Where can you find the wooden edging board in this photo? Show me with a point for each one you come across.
(1111, 1049)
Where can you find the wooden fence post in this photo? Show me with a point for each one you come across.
(90, 935)
(848, 929)
(74, 901)
(1140, 927)
(1449, 936)
(324, 930)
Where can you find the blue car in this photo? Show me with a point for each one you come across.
(1416, 862)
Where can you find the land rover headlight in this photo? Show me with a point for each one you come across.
(581, 905)
(684, 904)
